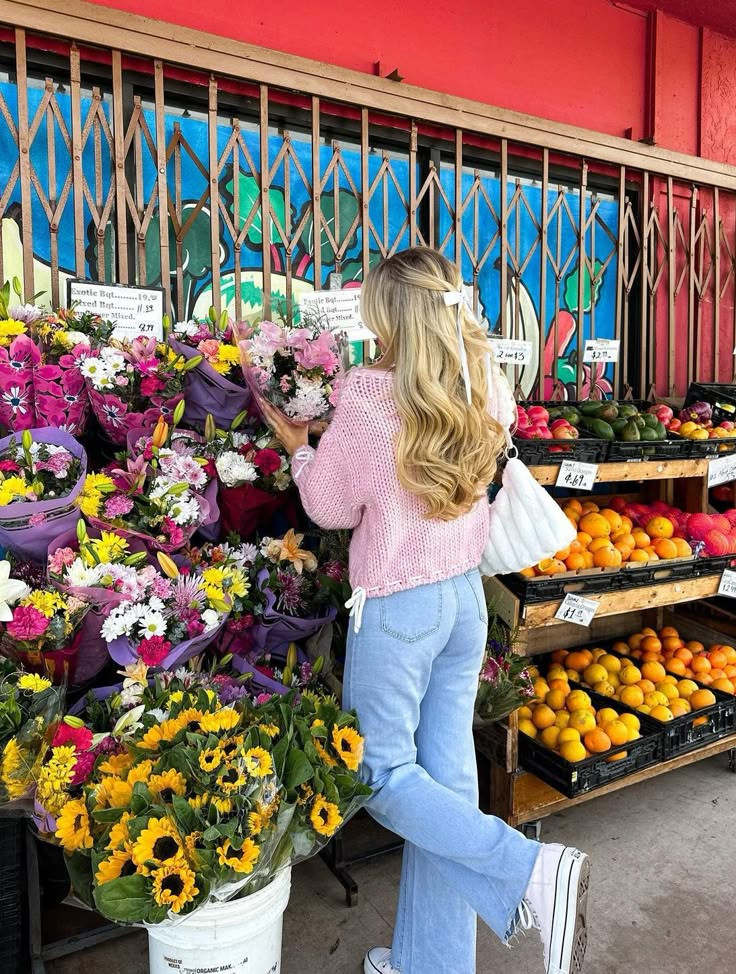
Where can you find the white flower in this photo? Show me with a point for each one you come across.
(122, 620)
(79, 574)
(152, 624)
(184, 469)
(185, 510)
(97, 372)
(211, 619)
(131, 695)
(113, 358)
(308, 402)
(233, 469)
(187, 328)
(247, 553)
(78, 338)
(11, 589)
(158, 714)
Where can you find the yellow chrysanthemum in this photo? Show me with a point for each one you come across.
(58, 770)
(18, 771)
(46, 602)
(119, 834)
(33, 682)
(118, 863)
(95, 486)
(174, 886)
(10, 329)
(165, 786)
(222, 720)
(110, 546)
(349, 745)
(12, 488)
(140, 772)
(240, 860)
(325, 816)
(238, 584)
(113, 793)
(158, 843)
(258, 762)
(115, 765)
(72, 826)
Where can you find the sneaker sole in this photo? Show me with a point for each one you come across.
(369, 967)
(569, 935)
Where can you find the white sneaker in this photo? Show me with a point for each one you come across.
(378, 961)
(555, 903)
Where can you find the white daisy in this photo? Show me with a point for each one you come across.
(152, 624)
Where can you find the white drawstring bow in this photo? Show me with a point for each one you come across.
(356, 604)
(460, 299)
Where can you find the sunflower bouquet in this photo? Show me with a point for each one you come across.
(201, 802)
(30, 709)
(41, 475)
(216, 386)
(295, 369)
(132, 384)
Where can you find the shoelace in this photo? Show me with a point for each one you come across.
(526, 918)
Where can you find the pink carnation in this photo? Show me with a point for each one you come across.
(150, 385)
(80, 737)
(154, 650)
(83, 768)
(209, 348)
(263, 698)
(27, 623)
(173, 532)
(118, 506)
(61, 559)
(35, 519)
(9, 466)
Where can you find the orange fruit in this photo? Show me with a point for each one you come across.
(574, 562)
(551, 566)
(577, 700)
(661, 713)
(700, 664)
(605, 715)
(632, 696)
(683, 548)
(624, 550)
(660, 527)
(626, 523)
(641, 538)
(582, 721)
(668, 690)
(608, 557)
(567, 734)
(571, 514)
(562, 719)
(563, 553)
(699, 721)
(634, 641)
(588, 556)
(605, 688)
(679, 707)
(716, 675)
(597, 741)
(559, 655)
(573, 751)
(702, 698)
(590, 507)
(611, 663)
(684, 654)
(617, 757)
(724, 684)
(653, 671)
(597, 543)
(578, 659)
(646, 686)
(574, 504)
(595, 525)
(595, 673)
(549, 737)
(555, 699)
(630, 675)
(675, 666)
(631, 721)
(560, 683)
(613, 518)
(617, 732)
(668, 631)
(730, 652)
(584, 538)
(695, 647)
(666, 548)
(729, 672)
(717, 659)
(527, 727)
(705, 678)
(651, 644)
(653, 556)
(543, 716)
(639, 554)
(625, 536)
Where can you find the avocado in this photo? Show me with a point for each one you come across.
(648, 434)
(599, 428)
(618, 424)
(651, 420)
(627, 409)
(631, 432)
(571, 414)
(661, 430)
(591, 408)
(639, 420)
(608, 412)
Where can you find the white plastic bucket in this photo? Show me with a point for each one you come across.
(239, 937)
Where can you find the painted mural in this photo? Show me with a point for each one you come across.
(292, 230)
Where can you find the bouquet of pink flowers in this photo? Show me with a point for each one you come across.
(132, 384)
(295, 369)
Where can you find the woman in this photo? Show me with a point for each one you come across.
(406, 463)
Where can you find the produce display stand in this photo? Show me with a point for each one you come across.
(517, 796)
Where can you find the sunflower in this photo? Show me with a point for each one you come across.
(194, 843)
(257, 822)
(165, 786)
(72, 826)
(229, 746)
(230, 780)
(211, 759)
(258, 762)
(349, 745)
(160, 843)
(119, 832)
(113, 793)
(305, 795)
(173, 886)
(325, 816)
(198, 801)
(222, 720)
(119, 863)
(325, 756)
(115, 765)
(159, 733)
(191, 720)
(240, 860)
(140, 772)
(33, 682)
(223, 805)
(272, 730)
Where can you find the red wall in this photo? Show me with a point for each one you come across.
(586, 62)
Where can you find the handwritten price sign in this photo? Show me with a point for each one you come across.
(722, 470)
(728, 584)
(511, 350)
(576, 609)
(577, 475)
(134, 310)
(601, 350)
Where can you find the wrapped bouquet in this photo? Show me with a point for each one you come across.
(42, 472)
(504, 683)
(132, 384)
(295, 369)
(215, 386)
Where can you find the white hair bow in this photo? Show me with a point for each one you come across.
(460, 298)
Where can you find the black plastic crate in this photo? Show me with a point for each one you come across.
(677, 448)
(13, 934)
(704, 449)
(536, 453)
(720, 395)
(593, 772)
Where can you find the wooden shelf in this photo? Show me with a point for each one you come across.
(631, 470)
(523, 797)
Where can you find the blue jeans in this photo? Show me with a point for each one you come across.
(411, 674)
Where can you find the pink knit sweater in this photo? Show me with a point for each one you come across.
(350, 481)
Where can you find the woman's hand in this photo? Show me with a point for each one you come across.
(291, 435)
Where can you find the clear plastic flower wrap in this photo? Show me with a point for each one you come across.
(198, 801)
(30, 709)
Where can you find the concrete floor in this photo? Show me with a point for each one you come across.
(661, 902)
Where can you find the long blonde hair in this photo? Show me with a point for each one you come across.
(446, 449)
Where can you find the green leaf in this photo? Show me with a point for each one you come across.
(298, 769)
(124, 900)
(79, 868)
(107, 814)
(249, 193)
(184, 813)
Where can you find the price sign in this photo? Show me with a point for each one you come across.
(722, 470)
(728, 584)
(576, 609)
(134, 310)
(601, 350)
(339, 310)
(577, 475)
(511, 350)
